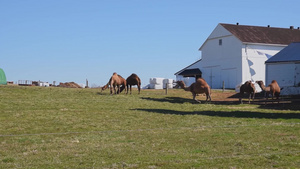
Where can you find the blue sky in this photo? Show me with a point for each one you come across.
(75, 40)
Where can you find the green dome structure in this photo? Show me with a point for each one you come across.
(2, 77)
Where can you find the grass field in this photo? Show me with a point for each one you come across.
(83, 128)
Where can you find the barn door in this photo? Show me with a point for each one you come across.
(297, 74)
(229, 78)
(212, 76)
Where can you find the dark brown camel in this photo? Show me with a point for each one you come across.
(115, 81)
(247, 87)
(199, 87)
(132, 80)
(273, 89)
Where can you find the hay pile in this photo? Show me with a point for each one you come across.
(69, 85)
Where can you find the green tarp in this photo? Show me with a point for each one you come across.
(2, 77)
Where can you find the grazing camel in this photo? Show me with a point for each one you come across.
(199, 87)
(273, 89)
(132, 80)
(247, 87)
(115, 81)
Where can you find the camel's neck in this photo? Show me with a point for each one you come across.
(184, 87)
(262, 86)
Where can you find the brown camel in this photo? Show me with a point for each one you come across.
(273, 89)
(247, 87)
(132, 80)
(115, 81)
(199, 87)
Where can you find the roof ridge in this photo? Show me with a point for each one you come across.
(268, 26)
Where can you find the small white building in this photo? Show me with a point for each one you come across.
(233, 54)
(160, 83)
(284, 67)
(43, 84)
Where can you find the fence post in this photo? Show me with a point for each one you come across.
(223, 86)
(167, 88)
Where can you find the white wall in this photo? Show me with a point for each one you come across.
(221, 62)
(253, 60)
(283, 73)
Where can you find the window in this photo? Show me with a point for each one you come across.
(220, 42)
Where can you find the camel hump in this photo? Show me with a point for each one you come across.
(120, 76)
(201, 80)
(133, 75)
(274, 81)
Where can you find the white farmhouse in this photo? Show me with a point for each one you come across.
(233, 54)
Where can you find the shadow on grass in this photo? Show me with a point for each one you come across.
(285, 103)
(236, 114)
(171, 100)
(181, 100)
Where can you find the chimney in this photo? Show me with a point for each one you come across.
(237, 23)
(291, 27)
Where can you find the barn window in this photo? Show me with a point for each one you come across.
(220, 42)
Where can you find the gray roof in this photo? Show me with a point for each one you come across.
(266, 35)
(291, 53)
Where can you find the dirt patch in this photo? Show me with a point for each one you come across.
(69, 85)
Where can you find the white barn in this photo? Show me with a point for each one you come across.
(233, 54)
(284, 67)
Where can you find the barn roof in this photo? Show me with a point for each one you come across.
(290, 53)
(266, 35)
(190, 72)
(177, 73)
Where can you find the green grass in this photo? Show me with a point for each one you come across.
(83, 128)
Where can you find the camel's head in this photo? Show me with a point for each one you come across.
(259, 82)
(104, 87)
(180, 83)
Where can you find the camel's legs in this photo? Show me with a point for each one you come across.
(139, 88)
(115, 90)
(208, 97)
(118, 89)
(130, 88)
(194, 97)
(111, 89)
(249, 97)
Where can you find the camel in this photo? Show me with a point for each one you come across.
(115, 81)
(199, 87)
(273, 89)
(247, 87)
(132, 80)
